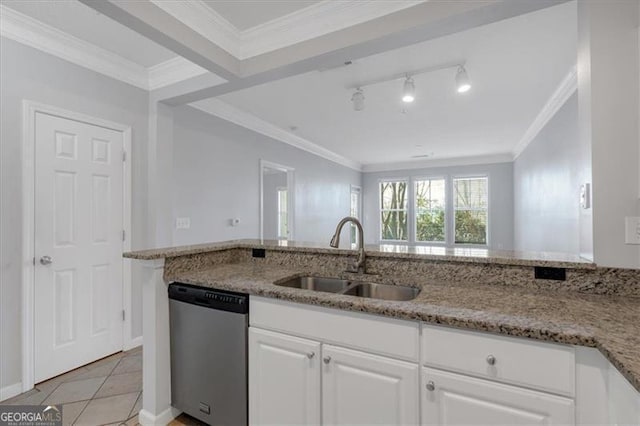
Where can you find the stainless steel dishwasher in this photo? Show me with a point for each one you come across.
(209, 331)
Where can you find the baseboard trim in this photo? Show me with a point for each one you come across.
(133, 343)
(10, 391)
(145, 418)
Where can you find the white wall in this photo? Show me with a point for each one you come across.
(500, 198)
(26, 73)
(216, 174)
(547, 186)
(608, 78)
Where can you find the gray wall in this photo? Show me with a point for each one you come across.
(26, 73)
(547, 186)
(500, 198)
(216, 178)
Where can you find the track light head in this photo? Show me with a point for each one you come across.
(358, 100)
(408, 90)
(463, 84)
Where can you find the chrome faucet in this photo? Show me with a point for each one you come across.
(359, 265)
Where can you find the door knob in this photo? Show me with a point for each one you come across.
(46, 260)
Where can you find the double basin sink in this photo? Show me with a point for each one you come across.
(353, 288)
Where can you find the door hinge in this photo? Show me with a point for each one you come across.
(124, 235)
(123, 315)
(34, 260)
(124, 155)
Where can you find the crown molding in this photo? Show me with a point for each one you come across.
(314, 21)
(205, 21)
(438, 162)
(31, 32)
(26, 30)
(172, 71)
(234, 115)
(310, 22)
(563, 92)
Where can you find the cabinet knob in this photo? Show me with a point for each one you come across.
(491, 360)
(310, 355)
(326, 359)
(431, 386)
(46, 260)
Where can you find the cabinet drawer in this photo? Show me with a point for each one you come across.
(371, 333)
(546, 366)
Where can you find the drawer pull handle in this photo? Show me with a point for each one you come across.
(491, 360)
(310, 355)
(431, 386)
(327, 359)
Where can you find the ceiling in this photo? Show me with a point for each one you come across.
(76, 19)
(247, 14)
(515, 66)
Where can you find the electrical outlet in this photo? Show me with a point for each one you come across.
(183, 223)
(632, 230)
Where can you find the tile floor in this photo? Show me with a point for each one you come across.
(106, 392)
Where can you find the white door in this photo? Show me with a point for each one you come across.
(454, 399)
(365, 389)
(78, 244)
(284, 379)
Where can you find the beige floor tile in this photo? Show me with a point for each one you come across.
(121, 383)
(107, 410)
(70, 412)
(105, 369)
(136, 407)
(74, 391)
(33, 397)
(135, 351)
(129, 364)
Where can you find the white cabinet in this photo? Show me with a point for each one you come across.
(455, 399)
(284, 379)
(361, 388)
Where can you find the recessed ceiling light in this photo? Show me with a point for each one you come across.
(463, 84)
(408, 90)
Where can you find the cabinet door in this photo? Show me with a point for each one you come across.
(360, 388)
(284, 379)
(454, 399)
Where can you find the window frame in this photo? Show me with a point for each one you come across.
(488, 210)
(279, 190)
(407, 209)
(355, 189)
(414, 201)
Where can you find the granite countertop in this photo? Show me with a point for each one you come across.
(397, 251)
(611, 324)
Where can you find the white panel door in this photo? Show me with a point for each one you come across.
(365, 389)
(78, 244)
(454, 399)
(284, 379)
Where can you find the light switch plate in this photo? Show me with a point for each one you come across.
(585, 196)
(632, 230)
(183, 223)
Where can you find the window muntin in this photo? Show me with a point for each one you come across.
(470, 205)
(354, 211)
(393, 210)
(430, 207)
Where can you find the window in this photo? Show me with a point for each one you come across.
(283, 214)
(393, 210)
(429, 199)
(470, 210)
(354, 211)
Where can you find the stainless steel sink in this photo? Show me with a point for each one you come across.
(329, 285)
(382, 291)
(353, 288)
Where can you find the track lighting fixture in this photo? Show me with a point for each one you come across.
(463, 83)
(358, 100)
(408, 90)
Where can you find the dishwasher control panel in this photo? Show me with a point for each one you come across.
(206, 297)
